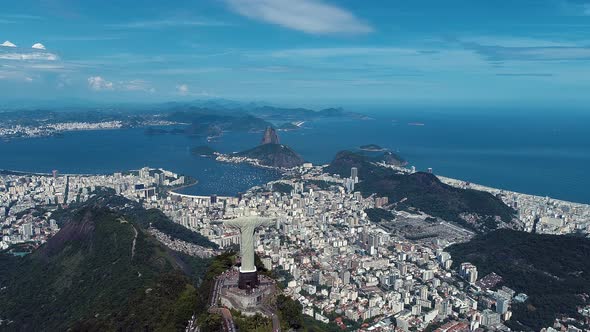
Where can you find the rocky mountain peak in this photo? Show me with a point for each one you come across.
(270, 136)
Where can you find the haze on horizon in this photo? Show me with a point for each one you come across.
(440, 52)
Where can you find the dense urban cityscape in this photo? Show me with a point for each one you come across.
(336, 262)
(30, 131)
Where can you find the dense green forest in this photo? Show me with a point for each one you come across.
(101, 271)
(376, 214)
(282, 187)
(553, 270)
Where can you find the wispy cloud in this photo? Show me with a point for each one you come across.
(538, 52)
(511, 41)
(309, 16)
(14, 75)
(16, 18)
(166, 23)
(29, 56)
(328, 52)
(185, 90)
(83, 38)
(182, 89)
(137, 85)
(525, 74)
(97, 83)
(21, 16)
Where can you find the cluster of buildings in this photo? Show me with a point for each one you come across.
(14, 131)
(27, 201)
(21, 194)
(182, 246)
(51, 129)
(542, 214)
(338, 264)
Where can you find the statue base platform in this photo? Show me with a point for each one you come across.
(248, 301)
(248, 280)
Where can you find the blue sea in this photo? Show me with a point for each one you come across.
(542, 153)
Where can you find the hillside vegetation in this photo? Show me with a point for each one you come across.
(275, 155)
(553, 270)
(473, 209)
(102, 271)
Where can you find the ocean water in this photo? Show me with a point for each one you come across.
(541, 153)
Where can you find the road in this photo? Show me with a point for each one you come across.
(134, 241)
(228, 321)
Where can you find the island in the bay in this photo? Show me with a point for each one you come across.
(270, 153)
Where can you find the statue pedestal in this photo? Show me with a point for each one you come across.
(248, 280)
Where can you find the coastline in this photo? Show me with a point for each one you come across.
(458, 183)
(59, 132)
(225, 158)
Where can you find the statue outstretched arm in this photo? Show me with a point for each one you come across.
(244, 222)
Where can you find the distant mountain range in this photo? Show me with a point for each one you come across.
(201, 118)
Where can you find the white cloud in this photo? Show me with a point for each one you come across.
(309, 16)
(32, 56)
(38, 46)
(98, 83)
(7, 44)
(182, 89)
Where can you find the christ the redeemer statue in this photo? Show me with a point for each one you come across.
(247, 225)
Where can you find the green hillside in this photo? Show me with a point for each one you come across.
(101, 272)
(553, 270)
(276, 155)
(424, 192)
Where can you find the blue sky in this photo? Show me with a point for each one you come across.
(301, 52)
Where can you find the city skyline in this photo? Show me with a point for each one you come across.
(342, 52)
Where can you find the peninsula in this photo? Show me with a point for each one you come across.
(270, 153)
